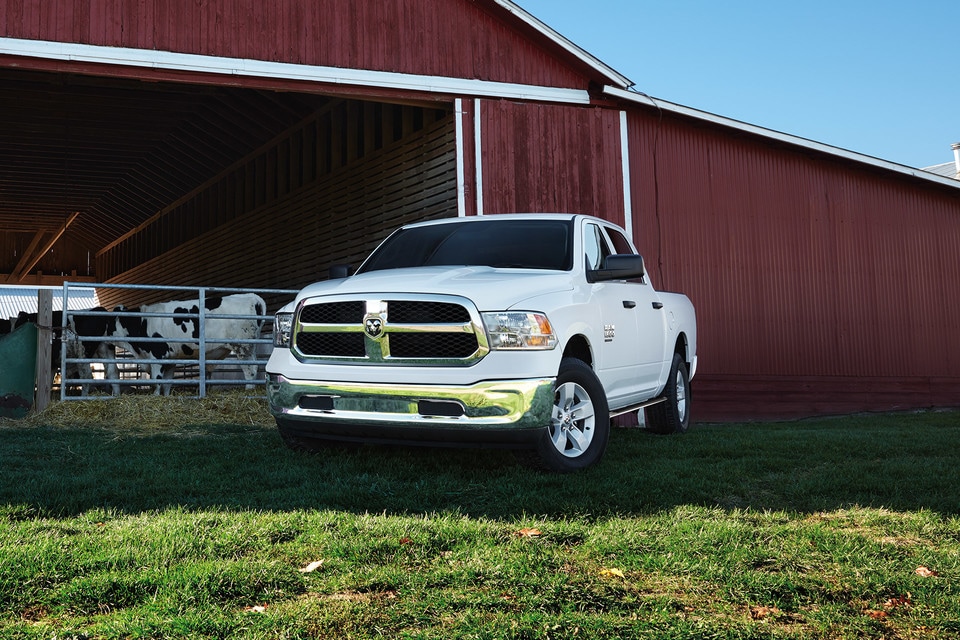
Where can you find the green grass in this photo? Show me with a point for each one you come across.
(812, 529)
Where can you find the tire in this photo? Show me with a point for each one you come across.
(580, 424)
(672, 415)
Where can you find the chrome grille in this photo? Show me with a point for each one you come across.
(424, 330)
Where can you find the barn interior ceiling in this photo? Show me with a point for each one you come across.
(85, 159)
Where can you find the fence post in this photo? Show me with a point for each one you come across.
(44, 349)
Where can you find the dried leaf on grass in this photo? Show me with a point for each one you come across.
(611, 573)
(258, 608)
(898, 602)
(761, 613)
(528, 533)
(313, 566)
(925, 572)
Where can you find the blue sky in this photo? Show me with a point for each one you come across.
(880, 78)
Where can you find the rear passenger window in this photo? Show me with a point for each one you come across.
(620, 244)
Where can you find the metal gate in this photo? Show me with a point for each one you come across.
(69, 362)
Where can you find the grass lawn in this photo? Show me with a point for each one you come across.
(832, 528)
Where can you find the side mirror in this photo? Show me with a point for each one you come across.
(339, 271)
(621, 266)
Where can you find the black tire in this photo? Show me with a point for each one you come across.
(580, 425)
(672, 415)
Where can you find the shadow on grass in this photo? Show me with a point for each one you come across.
(899, 462)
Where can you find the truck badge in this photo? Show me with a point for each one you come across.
(609, 331)
(373, 327)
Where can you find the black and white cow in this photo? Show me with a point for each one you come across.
(180, 336)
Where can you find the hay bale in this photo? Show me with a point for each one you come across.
(148, 413)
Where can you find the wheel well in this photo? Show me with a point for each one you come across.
(682, 349)
(578, 347)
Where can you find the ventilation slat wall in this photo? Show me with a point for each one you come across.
(339, 219)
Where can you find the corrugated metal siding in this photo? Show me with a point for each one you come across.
(546, 158)
(458, 39)
(799, 265)
(13, 300)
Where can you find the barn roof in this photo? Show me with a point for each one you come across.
(947, 169)
(13, 300)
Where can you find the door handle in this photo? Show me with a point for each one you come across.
(629, 304)
(658, 305)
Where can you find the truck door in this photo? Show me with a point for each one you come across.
(631, 355)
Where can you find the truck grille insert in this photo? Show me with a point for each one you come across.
(403, 332)
(405, 311)
(433, 346)
(333, 312)
(337, 345)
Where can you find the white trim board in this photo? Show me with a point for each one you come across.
(245, 67)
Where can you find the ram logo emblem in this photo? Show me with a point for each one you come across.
(373, 327)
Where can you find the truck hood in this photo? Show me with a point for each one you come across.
(489, 288)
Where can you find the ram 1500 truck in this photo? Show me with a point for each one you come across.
(520, 330)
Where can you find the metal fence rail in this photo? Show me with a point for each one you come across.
(201, 361)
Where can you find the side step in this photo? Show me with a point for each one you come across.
(636, 407)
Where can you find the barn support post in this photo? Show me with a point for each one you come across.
(478, 154)
(625, 165)
(202, 356)
(44, 349)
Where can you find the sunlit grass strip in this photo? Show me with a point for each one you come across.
(689, 570)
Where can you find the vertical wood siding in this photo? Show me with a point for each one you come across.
(291, 241)
(550, 158)
(448, 38)
(801, 267)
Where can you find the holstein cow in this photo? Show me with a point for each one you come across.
(180, 335)
(81, 325)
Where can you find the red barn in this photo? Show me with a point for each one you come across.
(240, 143)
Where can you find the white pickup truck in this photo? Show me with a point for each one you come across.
(520, 330)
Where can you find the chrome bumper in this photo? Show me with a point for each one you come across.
(500, 405)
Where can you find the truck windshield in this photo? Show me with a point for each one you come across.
(519, 244)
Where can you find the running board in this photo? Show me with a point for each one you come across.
(636, 407)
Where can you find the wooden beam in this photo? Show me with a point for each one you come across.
(26, 256)
(23, 274)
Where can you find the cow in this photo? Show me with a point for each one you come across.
(180, 336)
(81, 325)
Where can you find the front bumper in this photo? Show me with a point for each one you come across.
(502, 411)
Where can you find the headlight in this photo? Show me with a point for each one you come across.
(518, 330)
(282, 325)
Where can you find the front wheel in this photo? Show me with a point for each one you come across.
(580, 422)
(673, 414)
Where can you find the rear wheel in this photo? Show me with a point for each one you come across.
(672, 415)
(580, 422)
